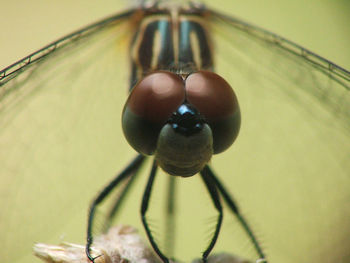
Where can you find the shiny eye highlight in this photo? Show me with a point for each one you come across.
(217, 102)
(150, 104)
(157, 96)
(211, 95)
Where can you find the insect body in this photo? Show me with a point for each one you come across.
(62, 118)
(178, 109)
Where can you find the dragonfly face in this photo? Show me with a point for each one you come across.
(167, 109)
(184, 115)
(286, 96)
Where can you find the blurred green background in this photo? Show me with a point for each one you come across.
(321, 26)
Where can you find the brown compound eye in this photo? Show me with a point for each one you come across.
(150, 104)
(211, 95)
(216, 101)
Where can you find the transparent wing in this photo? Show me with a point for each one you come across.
(60, 137)
(289, 168)
(60, 142)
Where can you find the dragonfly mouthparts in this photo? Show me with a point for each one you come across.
(187, 120)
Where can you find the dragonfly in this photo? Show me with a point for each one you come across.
(31, 99)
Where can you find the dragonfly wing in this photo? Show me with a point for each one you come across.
(60, 134)
(288, 168)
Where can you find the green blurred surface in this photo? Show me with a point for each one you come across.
(321, 26)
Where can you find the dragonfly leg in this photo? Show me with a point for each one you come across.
(128, 171)
(112, 214)
(212, 189)
(144, 207)
(234, 208)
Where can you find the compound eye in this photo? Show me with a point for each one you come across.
(211, 95)
(150, 104)
(215, 100)
(157, 96)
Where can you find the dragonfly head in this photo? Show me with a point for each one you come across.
(183, 122)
